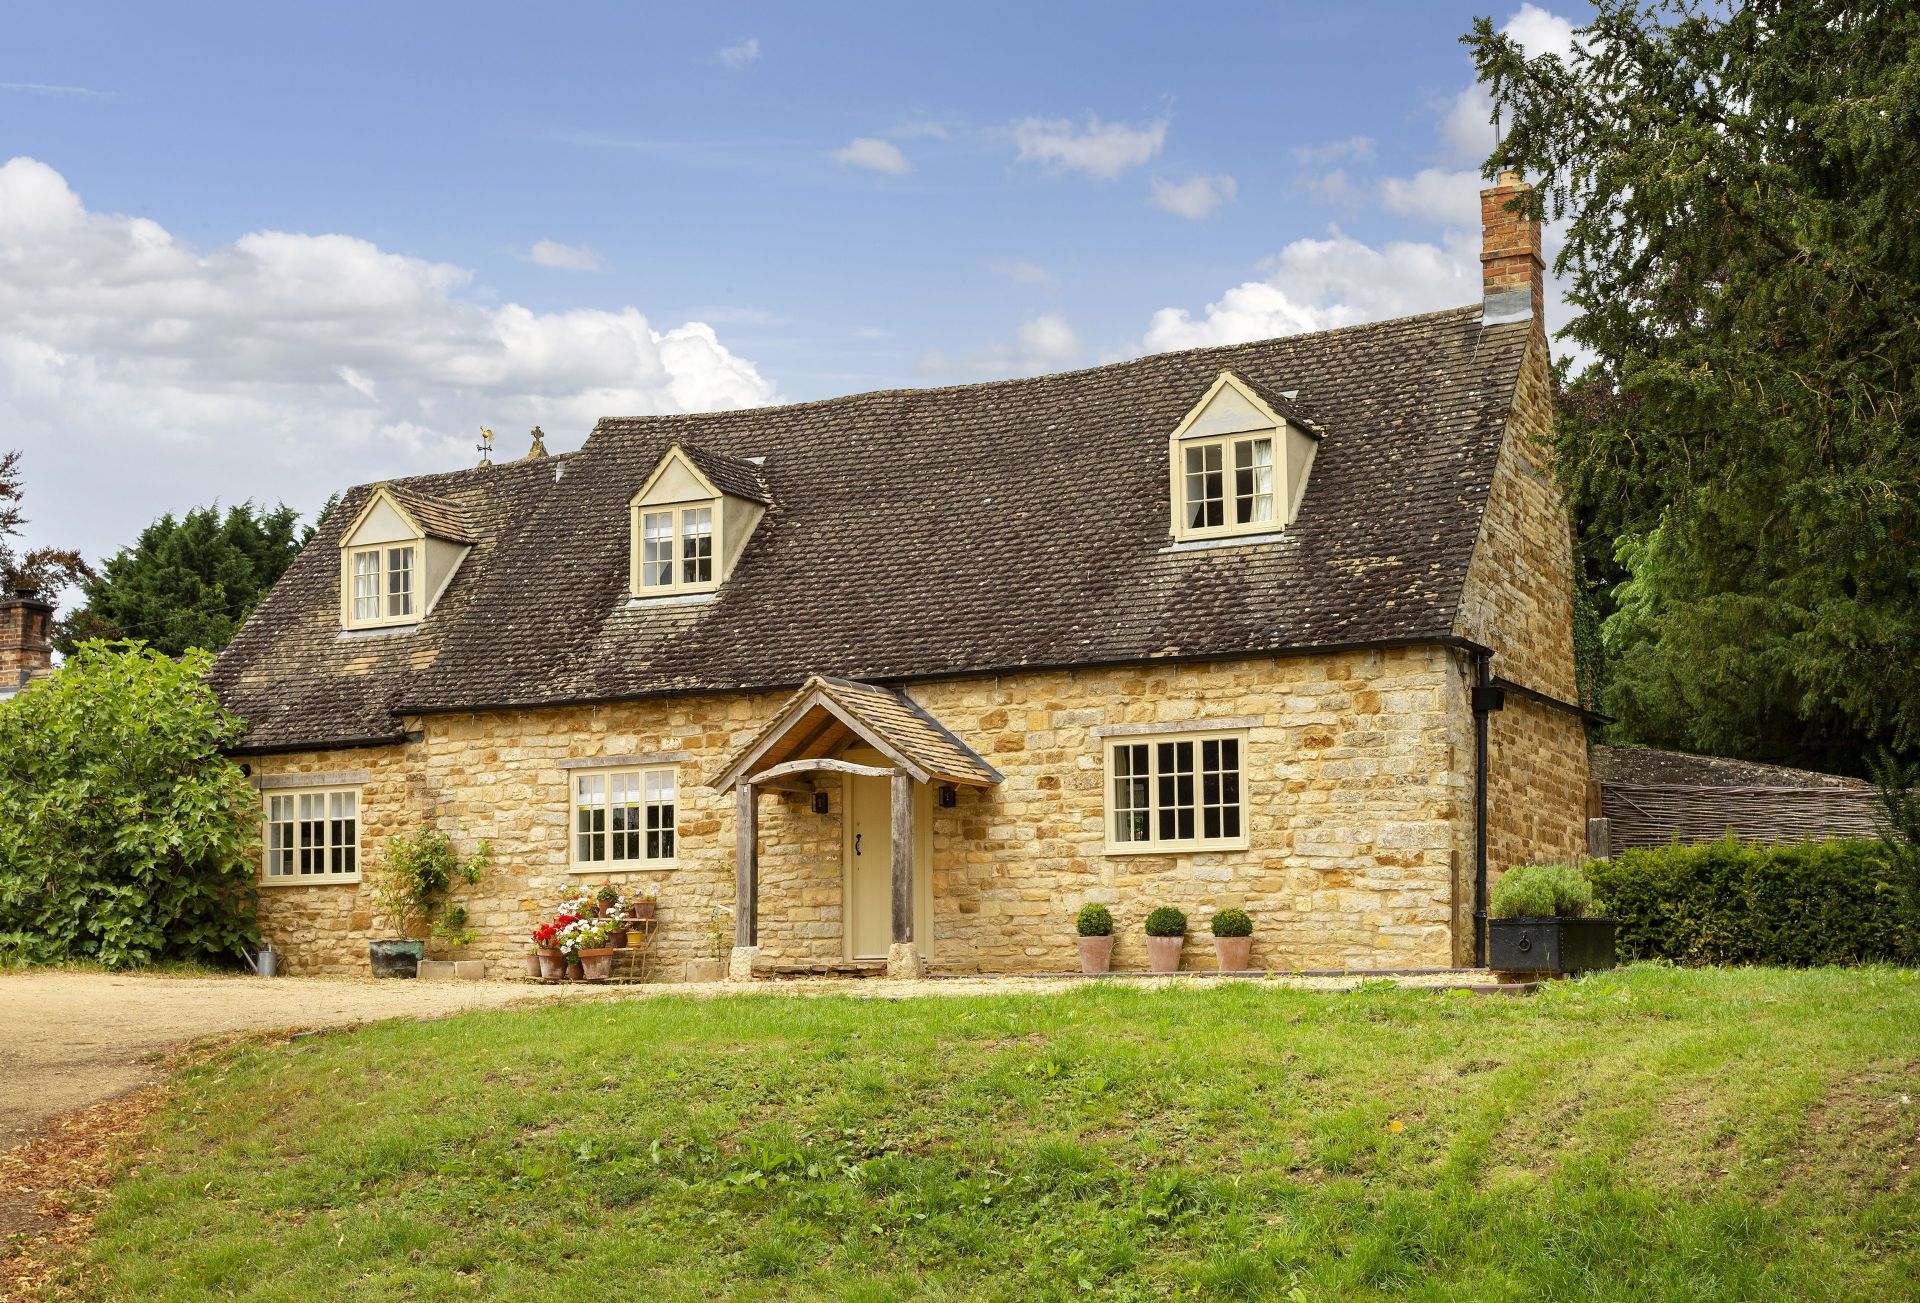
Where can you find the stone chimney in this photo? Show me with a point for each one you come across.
(1513, 276)
(26, 647)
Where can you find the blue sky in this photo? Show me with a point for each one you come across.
(268, 251)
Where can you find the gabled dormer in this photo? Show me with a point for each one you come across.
(398, 556)
(691, 520)
(1238, 462)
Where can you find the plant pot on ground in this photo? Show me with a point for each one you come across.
(412, 890)
(533, 963)
(553, 964)
(1166, 935)
(1233, 940)
(1094, 923)
(1540, 923)
(596, 965)
(396, 958)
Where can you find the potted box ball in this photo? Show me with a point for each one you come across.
(1094, 923)
(1233, 940)
(1540, 922)
(1166, 934)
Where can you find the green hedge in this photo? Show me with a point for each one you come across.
(1729, 902)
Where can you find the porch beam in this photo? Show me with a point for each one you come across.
(801, 785)
(746, 866)
(902, 858)
(793, 767)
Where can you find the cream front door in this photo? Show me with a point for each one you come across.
(869, 867)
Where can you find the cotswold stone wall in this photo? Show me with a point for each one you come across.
(1519, 601)
(1357, 776)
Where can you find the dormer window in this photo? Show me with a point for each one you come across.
(1238, 462)
(691, 520)
(397, 557)
(382, 583)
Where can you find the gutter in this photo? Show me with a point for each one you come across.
(332, 744)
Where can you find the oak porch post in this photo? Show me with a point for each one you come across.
(903, 959)
(746, 865)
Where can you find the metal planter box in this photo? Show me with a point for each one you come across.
(1549, 945)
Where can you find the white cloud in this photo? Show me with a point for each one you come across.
(1357, 148)
(1020, 271)
(1103, 149)
(1044, 343)
(740, 55)
(564, 257)
(1336, 187)
(141, 374)
(1449, 198)
(879, 155)
(1466, 124)
(921, 130)
(1194, 198)
(1322, 284)
(42, 88)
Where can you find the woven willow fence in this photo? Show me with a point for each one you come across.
(1649, 815)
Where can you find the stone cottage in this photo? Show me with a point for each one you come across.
(906, 677)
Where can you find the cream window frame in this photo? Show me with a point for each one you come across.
(382, 576)
(1229, 446)
(1155, 843)
(642, 782)
(681, 514)
(333, 847)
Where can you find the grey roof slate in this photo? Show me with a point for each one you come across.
(1648, 767)
(920, 533)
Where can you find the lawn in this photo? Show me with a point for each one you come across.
(1646, 1134)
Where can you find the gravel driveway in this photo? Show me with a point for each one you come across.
(70, 1039)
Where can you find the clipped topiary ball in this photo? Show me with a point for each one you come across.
(1166, 922)
(1232, 923)
(1094, 920)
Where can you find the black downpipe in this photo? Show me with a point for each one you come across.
(1486, 699)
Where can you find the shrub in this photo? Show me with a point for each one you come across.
(126, 834)
(1166, 922)
(1727, 902)
(1541, 891)
(1232, 923)
(1094, 920)
(413, 886)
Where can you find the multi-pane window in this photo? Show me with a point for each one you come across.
(624, 817)
(1228, 483)
(682, 534)
(1176, 792)
(383, 584)
(313, 836)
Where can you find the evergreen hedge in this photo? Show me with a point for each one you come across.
(1730, 902)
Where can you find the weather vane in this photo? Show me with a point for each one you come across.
(485, 446)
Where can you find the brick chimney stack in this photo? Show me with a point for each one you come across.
(1513, 275)
(26, 647)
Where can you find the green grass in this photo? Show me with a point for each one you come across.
(1646, 1134)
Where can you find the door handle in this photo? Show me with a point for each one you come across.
(856, 843)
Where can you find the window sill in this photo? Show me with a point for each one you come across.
(313, 880)
(1211, 541)
(1130, 849)
(625, 866)
(674, 598)
(378, 630)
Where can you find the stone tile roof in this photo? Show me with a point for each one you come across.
(919, 533)
(890, 720)
(1646, 767)
(734, 475)
(440, 518)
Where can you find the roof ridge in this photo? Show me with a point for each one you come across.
(1473, 309)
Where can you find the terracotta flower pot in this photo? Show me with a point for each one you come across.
(644, 908)
(618, 940)
(533, 963)
(574, 973)
(1096, 954)
(597, 964)
(1235, 953)
(553, 965)
(1163, 953)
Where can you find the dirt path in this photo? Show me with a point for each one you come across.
(70, 1039)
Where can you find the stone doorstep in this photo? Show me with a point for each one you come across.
(452, 970)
